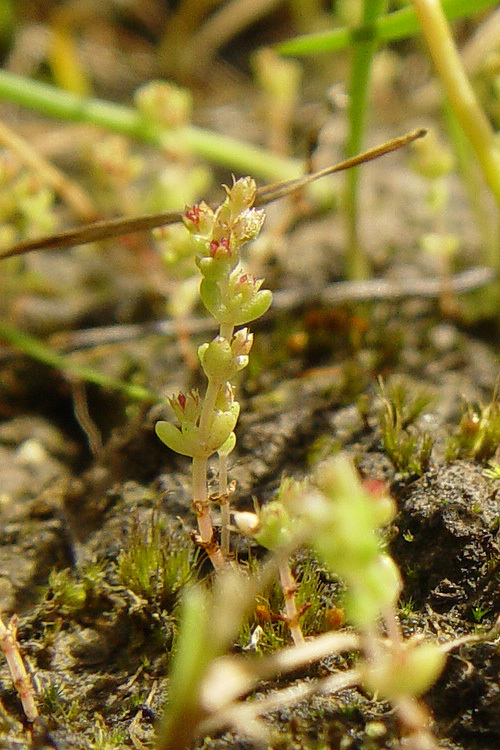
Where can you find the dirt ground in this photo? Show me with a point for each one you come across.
(83, 475)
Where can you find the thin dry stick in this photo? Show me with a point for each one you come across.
(70, 192)
(283, 299)
(20, 677)
(244, 716)
(104, 229)
(81, 410)
(280, 189)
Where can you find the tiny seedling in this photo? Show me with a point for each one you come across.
(478, 434)
(409, 452)
(479, 612)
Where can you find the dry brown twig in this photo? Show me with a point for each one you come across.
(20, 677)
(104, 229)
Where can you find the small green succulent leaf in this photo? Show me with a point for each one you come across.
(275, 526)
(211, 298)
(407, 673)
(228, 446)
(259, 305)
(217, 359)
(185, 441)
(223, 424)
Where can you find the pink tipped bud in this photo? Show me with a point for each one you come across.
(199, 219)
(186, 407)
(247, 523)
(220, 248)
(375, 487)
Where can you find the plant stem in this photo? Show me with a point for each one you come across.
(364, 50)
(289, 587)
(396, 25)
(487, 223)
(226, 331)
(219, 149)
(460, 94)
(225, 517)
(201, 502)
(201, 505)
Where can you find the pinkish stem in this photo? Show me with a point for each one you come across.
(289, 587)
(201, 505)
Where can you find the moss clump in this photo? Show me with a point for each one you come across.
(156, 564)
(478, 434)
(409, 451)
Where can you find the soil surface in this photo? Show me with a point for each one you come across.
(84, 478)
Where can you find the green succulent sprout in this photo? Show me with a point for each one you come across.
(233, 298)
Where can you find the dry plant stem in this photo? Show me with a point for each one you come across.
(459, 91)
(114, 227)
(20, 677)
(244, 716)
(415, 720)
(393, 627)
(71, 193)
(293, 657)
(289, 587)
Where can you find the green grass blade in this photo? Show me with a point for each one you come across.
(396, 25)
(36, 349)
(219, 149)
(359, 84)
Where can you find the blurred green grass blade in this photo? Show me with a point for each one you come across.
(38, 350)
(359, 85)
(219, 149)
(396, 25)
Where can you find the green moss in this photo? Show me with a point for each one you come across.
(408, 450)
(478, 434)
(56, 706)
(265, 631)
(156, 564)
(66, 592)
